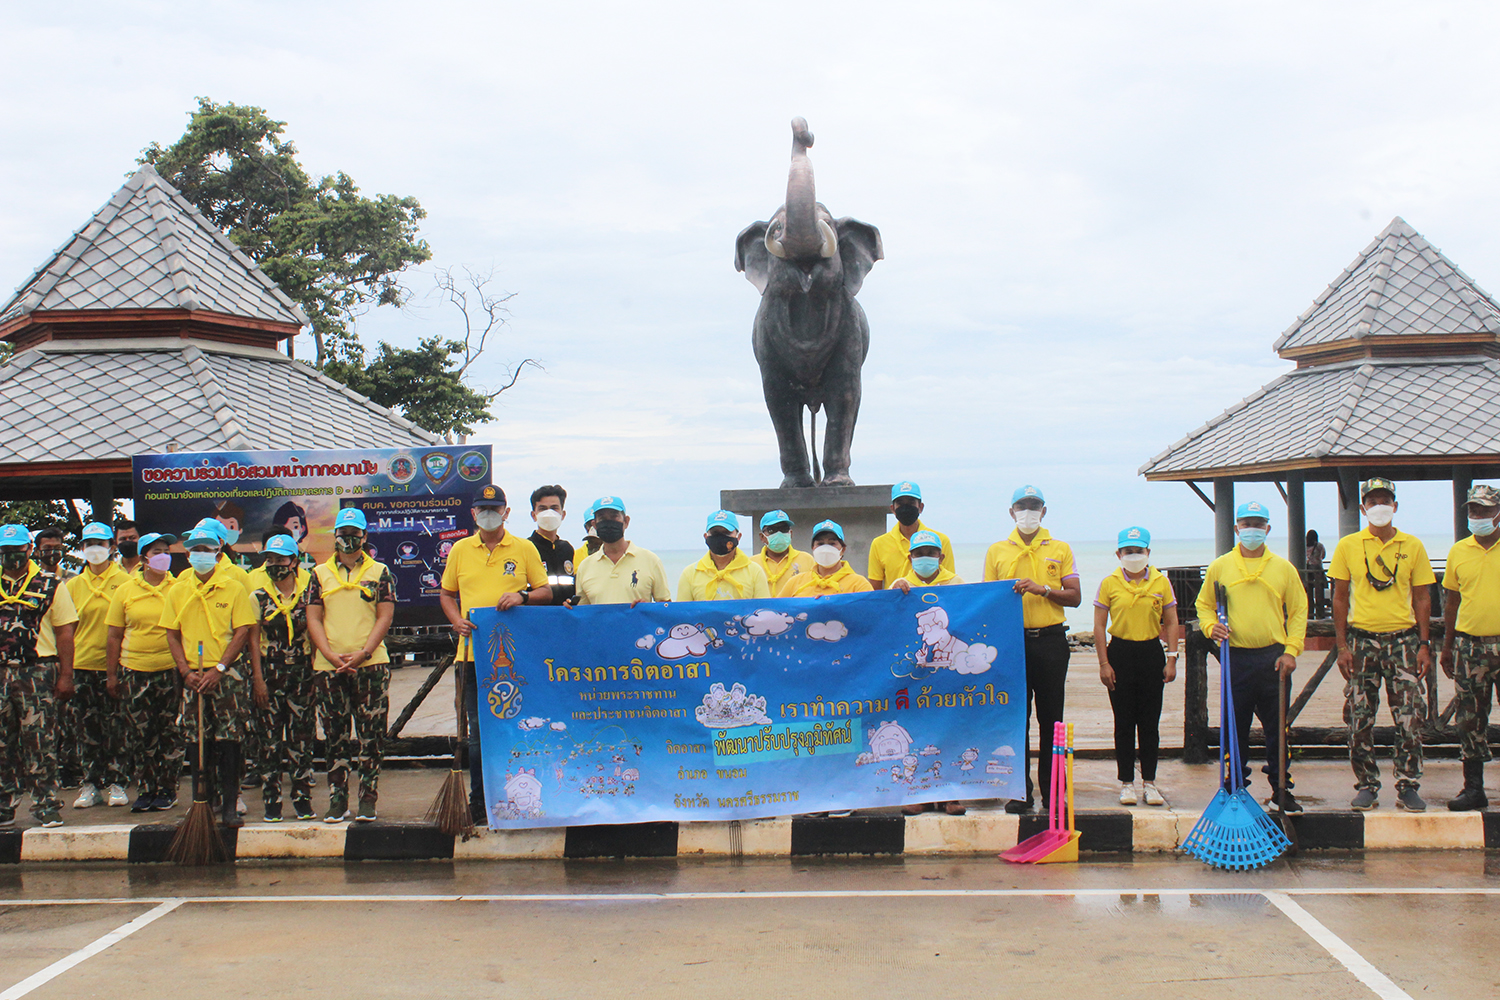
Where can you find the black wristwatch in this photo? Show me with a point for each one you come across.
(1424, 642)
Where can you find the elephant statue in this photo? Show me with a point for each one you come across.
(810, 336)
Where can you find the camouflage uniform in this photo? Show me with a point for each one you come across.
(153, 701)
(354, 708)
(28, 748)
(100, 730)
(1393, 660)
(1476, 668)
(225, 710)
(288, 724)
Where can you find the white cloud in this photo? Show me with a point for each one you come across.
(532, 723)
(645, 642)
(976, 659)
(767, 622)
(1003, 752)
(827, 631)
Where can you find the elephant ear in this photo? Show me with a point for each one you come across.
(752, 257)
(859, 249)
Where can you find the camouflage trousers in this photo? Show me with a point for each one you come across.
(28, 746)
(288, 729)
(153, 699)
(1476, 669)
(99, 725)
(354, 708)
(1390, 659)
(65, 725)
(225, 709)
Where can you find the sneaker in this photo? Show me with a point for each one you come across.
(1018, 807)
(1364, 800)
(1151, 795)
(1408, 799)
(114, 795)
(239, 805)
(302, 808)
(142, 804)
(49, 817)
(88, 796)
(1289, 803)
(366, 809)
(1127, 793)
(162, 803)
(7, 819)
(273, 812)
(338, 807)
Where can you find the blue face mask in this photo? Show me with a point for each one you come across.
(779, 541)
(1481, 526)
(231, 535)
(1253, 538)
(926, 566)
(203, 562)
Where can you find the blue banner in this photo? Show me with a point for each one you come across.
(723, 710)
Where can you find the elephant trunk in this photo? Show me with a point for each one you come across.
(805, 235)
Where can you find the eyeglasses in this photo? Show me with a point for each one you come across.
(1379, 584)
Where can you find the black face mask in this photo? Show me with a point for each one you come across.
(907, 513)
(722, 545)
(609, 531)
(129, 549)
(49, 557)
(279, 572)
(14, 561)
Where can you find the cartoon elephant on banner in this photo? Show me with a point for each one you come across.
(810, 335)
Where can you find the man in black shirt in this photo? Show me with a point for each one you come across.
(556, 552)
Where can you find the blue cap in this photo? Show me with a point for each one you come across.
(96, 530)
(828, 525)
(14, 534)
(1134, 538)
(1025, 493)
(723, 519)
(1252, 508)
(351, 517)
(283, 545)
(146, 541)
(906, 489)
(608, 503)
(202, 536)
(209, 525)
(771, 517)
(922, 539)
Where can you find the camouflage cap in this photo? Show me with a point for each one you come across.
(1376, 483)
(1486, 496)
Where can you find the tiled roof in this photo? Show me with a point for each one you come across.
(111, 400)
(1398, 285)
(1372, 409)
(150, 248)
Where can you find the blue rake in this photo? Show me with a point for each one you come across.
(1233, 833)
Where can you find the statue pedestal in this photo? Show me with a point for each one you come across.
(861, 510)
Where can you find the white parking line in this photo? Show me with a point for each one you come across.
(1338, 948)
(88, 951)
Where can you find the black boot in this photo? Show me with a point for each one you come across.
(1472, 797)
(230, 763)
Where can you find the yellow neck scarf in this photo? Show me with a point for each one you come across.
(830, 583)
(21, 595)
(95, 590)
(717, 575)
(355, 581)
(160, 590)
(1246, 576)
(299, 586)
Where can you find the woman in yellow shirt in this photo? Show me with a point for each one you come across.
(1136, 601)
(831, 574)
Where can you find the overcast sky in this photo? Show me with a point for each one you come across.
(1097, 217)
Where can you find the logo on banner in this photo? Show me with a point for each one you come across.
(437, 465)
(472, 466)
(402, 469)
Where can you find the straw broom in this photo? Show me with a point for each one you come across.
(450, 810)
(197, 840)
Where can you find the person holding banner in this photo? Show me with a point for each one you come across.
(777, 556)
(725, 573)
(1044, 574)
(209, 609)
(927, 569)
(100, 717)
(830, 573)
(491, 569)
(620, 572)
(281, 646)
(350, 605)
(149, 685)
(890, 553)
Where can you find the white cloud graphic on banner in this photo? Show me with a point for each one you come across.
(767, 622)
(827, 631)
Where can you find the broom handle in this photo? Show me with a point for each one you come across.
(1070, 778)
(199, 701)
(1054, 806)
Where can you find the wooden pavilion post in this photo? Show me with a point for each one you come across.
(1462, 481)
(1223, 516)
(1296, 521)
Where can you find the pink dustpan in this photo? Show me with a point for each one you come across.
(1038, 846)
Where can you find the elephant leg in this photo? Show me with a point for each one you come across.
(785, 407)
(842, 391)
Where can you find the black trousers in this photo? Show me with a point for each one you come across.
(1252, 674)
(1136, 701)
(1046, 680)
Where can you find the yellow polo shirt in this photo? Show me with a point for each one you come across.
(92, 593)
(1046, 560)
(226, 565)
(944, 578)
(1405, 558)
(137, 608)
(480, 576)
(208, 611)
(1267, 604)
(779, 571)
(350, 601)
(638, 576)
(890, 553)
(1473, 571)
(841, 581)
(62, 612)
(1135, 606)
(742, 579)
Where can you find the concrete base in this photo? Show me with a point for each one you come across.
(862, 511)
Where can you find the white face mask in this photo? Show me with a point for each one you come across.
(95, 554)
(1380, 515)
(488, 520)
(827, 555)
(1028, 520)
(1134, 563)
(549, 519)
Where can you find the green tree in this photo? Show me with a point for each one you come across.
(331, 249)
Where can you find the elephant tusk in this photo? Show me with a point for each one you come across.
(830, 239)
(774, 245)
